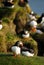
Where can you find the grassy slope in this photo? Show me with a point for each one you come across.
(5, 60)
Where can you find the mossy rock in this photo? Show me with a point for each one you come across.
(20, 20)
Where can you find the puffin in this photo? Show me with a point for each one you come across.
(33, 27)
(16, 49)
(26, 53)
(40, 18)
(33, 23)
(9, 3)
(32, 15)
(41, 24)
(25, 34)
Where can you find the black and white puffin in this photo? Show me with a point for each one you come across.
(9, 3)
(16, 49)
(41, 23)
(25, 34)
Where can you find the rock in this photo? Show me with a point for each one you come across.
(20, 21)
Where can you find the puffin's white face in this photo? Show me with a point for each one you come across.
(42, 18)
(26, 32)
(42, 22)
(32, 12)
(20, 43)
(33, 17)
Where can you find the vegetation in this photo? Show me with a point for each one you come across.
(22, 60)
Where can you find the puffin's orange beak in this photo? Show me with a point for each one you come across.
(33, 29)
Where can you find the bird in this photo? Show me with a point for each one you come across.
(26, 53)
(8, 4)
(41, 25)
(24, 50)
(25, 34)
(39, 31)
(33, 23)
(19, 48)
(16, 48)
(40, 18)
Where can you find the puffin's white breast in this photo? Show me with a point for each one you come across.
(25, 36)
(33, 23)
(39, 32)
(0, 27)
(16, 49)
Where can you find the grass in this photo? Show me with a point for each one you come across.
(22, 60)
(6, 12)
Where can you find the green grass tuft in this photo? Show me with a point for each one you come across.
(8, 60)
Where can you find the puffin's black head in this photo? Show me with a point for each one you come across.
(19, 44)
(26, 1)
(22, 3)
(42, 15)
(40, 19)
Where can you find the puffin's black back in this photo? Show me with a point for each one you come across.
(16, 44)
(7, 4)
(26, 1)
